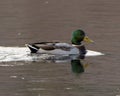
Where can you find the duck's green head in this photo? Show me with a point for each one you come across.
(78, 36)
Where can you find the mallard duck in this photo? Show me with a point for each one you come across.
(76, 46)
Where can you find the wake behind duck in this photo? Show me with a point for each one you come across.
(8, 54)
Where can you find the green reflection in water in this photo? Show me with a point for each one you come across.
(77, 66)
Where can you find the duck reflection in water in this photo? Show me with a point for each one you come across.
(76, 64)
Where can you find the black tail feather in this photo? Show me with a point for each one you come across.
(33, 48)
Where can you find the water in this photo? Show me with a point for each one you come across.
(23, 21)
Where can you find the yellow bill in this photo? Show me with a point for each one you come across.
(88, 40)
(85, 65)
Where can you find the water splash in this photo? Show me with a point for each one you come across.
(8, 54)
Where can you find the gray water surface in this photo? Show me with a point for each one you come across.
(23, 21)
